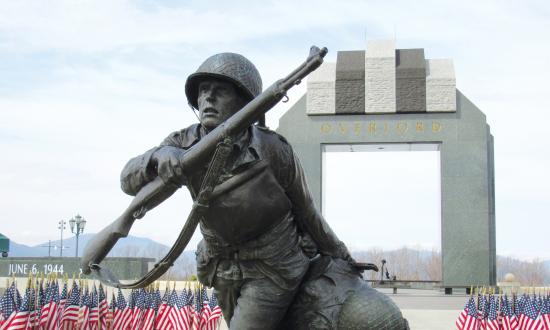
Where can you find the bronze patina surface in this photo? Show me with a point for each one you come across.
(271, 257)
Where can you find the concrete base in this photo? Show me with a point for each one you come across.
(430, 319)
(424, 309)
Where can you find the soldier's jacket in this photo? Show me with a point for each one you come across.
(258, 212)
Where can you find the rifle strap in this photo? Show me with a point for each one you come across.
(200, 205)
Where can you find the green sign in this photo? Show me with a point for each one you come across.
(4, 243)
(123, 268)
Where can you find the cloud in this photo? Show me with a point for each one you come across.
(95, 26)
(86, 85)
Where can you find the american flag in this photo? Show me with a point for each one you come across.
(482, 312)
(62, 304)
(79, 304)
(21, 318)
(205, 311)
(112, 309)
(54, 307)
(467, 320)
(157, 299)
(164, 318)
(1, 313)
(509, 319)
(18, 298)
(197, 309)
(128, 312)
(72, 307)
(184, 309)
(47, 305)
(191, 307)
(84, 311)
(545, 312)
(175, 316)
(492, 316)
(149, 316)
(33, 313)
(131, 301)
(163, 310)
(39, 302)
(139, 309)
(103, 307)
(215, 314)
(537, 303)
(520, 304)
(530, 318)
(118, 316)
(40, 298)
(94, 309)
(45, 310)
(8, 307)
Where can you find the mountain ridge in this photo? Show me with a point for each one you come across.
(399, 261)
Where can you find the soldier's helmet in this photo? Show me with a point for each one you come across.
(231, 67)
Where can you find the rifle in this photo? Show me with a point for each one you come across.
(157, 191)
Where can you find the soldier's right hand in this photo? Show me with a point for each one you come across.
(166, 160)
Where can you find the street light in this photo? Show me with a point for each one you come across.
(49, 246)
(61, 227)
(77, 227)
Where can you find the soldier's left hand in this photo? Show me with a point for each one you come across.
(167, 161)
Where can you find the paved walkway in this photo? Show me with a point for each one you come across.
(424, 309)
(428, 309)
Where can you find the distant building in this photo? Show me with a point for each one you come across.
(4, 245)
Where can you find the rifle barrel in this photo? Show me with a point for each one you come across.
(157, 191)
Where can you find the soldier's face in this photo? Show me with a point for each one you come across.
(217, 101)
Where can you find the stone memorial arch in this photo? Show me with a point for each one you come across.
(397, 97)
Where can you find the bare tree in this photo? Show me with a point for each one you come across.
(433, 266)
(527, 273)
(404, 263)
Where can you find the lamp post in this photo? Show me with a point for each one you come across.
(77, 227)
(61, 227)
(49, 246)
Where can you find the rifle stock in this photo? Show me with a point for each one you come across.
(157, 191)
(152, 194)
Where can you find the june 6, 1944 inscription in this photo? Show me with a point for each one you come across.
(130, 268)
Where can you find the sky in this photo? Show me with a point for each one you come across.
(392, 198)
(86, 85)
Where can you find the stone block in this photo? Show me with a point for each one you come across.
(465, 193)
(350, 82)
(464, 159)
(465, 249)
(321, 90)
(440, 86)
(380, 92)
(410, 80)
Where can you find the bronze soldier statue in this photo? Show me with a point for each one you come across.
(250, 252)
(261, 230)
